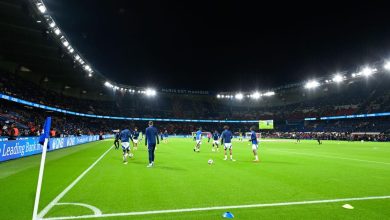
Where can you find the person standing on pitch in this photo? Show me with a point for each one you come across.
(151, 137)
(226, 141)
(215, 141)
(198, 137)
(255, 145)
(135, 138)
(116, 141)
(125, 137)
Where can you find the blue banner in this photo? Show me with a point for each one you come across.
(29, 146)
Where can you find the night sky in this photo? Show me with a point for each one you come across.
(223, 45)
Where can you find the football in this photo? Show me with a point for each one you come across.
(210, 162)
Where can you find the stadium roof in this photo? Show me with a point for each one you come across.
(291, 46)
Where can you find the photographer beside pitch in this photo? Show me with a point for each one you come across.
(151, 136)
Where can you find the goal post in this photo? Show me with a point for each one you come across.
(248, 135)
(204, 134)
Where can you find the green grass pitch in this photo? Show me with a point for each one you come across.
(288, 172)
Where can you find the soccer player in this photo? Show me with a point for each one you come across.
(125, 137)
(151, 137)
(135, 138)
(319, 139)
(298, 137)
(116, 141)
(165, 136)
(198, 138)
(255, 145)
(208, 137)
(240, 135)
(226, 140)
(215, 141)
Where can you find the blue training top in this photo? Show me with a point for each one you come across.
(227, 136)
(151, 134)
(125, 135)
(253, 137)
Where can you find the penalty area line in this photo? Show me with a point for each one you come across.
(66, 190)
(220, 208)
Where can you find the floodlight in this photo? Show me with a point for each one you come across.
(367, 71)
(312, 84)
(41, 7)
(90, 74)
(353, 75)
(271, 93)
(256, 95)
(338, 78)
(77, 57)
(52, 24)
(65, 43)
(57, 31)
(150, 92)
(108, 84)
(87, 67)
(218, 96)
(239, 96)
(387, 65)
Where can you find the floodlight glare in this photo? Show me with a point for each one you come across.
(239, 96)
(312, 84)
(52, 24)
(387, 65)
(338, 78)
(150, 92)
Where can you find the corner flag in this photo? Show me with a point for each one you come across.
(46, 131)
(44, 140)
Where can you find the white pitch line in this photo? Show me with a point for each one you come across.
(95, 210)
(220, 208)
(66, 190)
(327, 156)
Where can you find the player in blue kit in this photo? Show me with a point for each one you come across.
(151, 138)
(255, 144)
(135, 138)
(165, 136)
(125, 137)
(226, 141)
(198, 139)
(215, 141)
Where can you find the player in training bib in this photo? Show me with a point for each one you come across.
(198, 138)
(135, 138)
(226, 140)
(215, 141)
(255, 144)
(125, 137)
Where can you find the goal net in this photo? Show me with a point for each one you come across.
(204, 134)
(248, 135)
